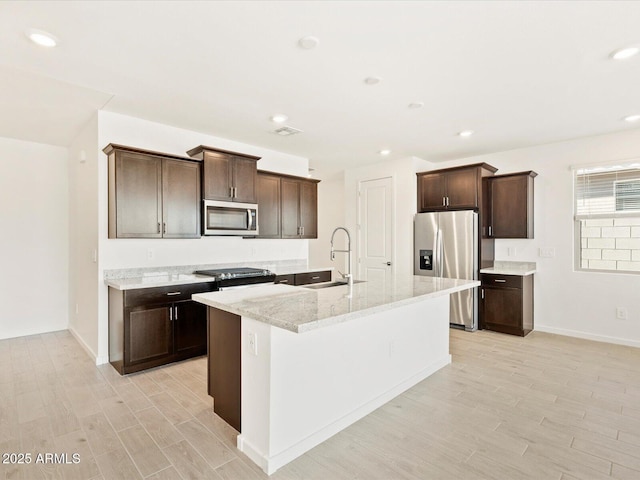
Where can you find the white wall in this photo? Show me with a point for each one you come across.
(566, 301)
(129, 253)
(331, 214)
(33, 239)
(83, 236)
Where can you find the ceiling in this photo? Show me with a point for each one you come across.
(517, 73)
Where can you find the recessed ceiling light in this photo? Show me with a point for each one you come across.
(416, 105)
(279, 118)
(625, 53)
(466, 133)
(309, 42)
(372, 80)
(42, 38)
(632, 118)
(384, 152)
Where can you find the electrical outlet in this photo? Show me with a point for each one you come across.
(547, 252)
(621, 313)
(253, 343)
(150, 254)
(512, 252)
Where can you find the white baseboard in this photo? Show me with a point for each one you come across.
(270, 464)
(99, 360)
(588, 336)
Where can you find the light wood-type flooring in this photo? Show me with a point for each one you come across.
(508, 408)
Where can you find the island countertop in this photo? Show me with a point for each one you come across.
(301, 309)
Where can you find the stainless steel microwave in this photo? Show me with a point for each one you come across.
(230, 218)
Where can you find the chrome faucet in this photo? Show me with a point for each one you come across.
(348, 275)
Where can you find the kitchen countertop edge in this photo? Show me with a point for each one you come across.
(325, 322)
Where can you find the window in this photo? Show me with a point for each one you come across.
(607, 218)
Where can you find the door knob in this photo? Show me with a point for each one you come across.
(388, 264)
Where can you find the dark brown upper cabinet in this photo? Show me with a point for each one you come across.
(452, 188)
(287, 206)
(511, 205)
(268, 192)
(227, 176)
(152, 195)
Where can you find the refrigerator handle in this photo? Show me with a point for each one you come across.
(439, 254)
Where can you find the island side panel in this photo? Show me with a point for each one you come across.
(321, 381)
(224, 367)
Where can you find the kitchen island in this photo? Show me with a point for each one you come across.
(310, 362)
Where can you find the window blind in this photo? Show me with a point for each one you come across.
(607, 191)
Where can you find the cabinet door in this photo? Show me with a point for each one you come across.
(268, 193)
(502, 309)
(148, 334)
(462, 188)
(510, 207)
(431, 192)
(290, 205)
(138, 191)
(309, 209)
(190, 329)
(180, 199)
(244, 180)
(217, 176)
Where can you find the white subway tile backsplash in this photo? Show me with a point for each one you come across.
(602, 264)
(616, 232)
(635, 255)
(592, 232)
(628, 243)
(599, 222)
(616, 254)
(591, 253)
(629, 266)
(600, 243)
(635, 232)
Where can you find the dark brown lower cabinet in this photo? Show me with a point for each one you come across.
(149, 327)
(507, 303)
(304, 278)
(224, 365)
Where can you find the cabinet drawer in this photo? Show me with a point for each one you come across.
(507, 281)
(158, 295)
(312, 277)
(286, 279)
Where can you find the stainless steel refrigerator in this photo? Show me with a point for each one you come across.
(446, 245)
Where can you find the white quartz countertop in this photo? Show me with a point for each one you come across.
(292, 270)
(161, 280)
(165, 279)
(511, 268)
(301, 309)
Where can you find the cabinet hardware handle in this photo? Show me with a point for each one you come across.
(315, 277)
(175, 315)
(164, 227)
(158, 227)
(490, 230)
(283, 281)
(482, 293)
(444, 201)
(230, 192)
(302, 229)
(170, 314)
(173, 293)
(447, 201)
(499, 281)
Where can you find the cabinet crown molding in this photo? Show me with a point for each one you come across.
(112, 147)
(199, 151)
(486, 166)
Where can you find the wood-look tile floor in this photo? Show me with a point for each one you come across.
(542, 407)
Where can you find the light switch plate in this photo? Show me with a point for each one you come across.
(547, 252)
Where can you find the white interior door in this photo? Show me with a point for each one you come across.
(375, 229)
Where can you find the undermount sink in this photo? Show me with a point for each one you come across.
(330, 284)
